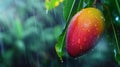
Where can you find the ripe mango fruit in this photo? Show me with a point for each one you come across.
(84, 30)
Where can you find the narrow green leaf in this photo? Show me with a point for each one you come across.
(80, 6)
(71, 7)
(117, 39)
(118, 6)
(60, 44)
(68, 5)
(68, 8)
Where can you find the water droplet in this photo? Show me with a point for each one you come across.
(117, 18)
(61, 61)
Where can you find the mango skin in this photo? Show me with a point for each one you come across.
(84, 30)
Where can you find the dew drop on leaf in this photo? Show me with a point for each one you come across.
(117, 18)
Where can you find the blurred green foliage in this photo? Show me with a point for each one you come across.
(24, 32)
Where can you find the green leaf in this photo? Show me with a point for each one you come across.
(118, 6)
(80, 5)
(60, 44)
(70, 8)
(117, 40)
